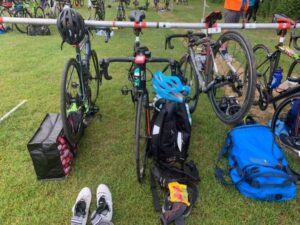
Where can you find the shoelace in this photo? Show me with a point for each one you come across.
(80, 208)
(103, 207)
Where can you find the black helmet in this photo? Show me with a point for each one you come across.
(71, 26)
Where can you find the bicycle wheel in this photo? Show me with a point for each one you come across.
(71, 104)
(263, 70)
(22, 28)
(6, 13)
(281, 126)
(294, 70)
(188, 72)
(142, 134)
(232, 68)
(39, 12)
(94, 76)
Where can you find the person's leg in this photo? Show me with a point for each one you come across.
(230, 16)
(255, 9)
(249, 14)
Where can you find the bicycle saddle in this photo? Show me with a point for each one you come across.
(137, 16)
(213, 17)
(281, 18)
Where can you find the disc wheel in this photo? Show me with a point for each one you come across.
(188, 72)
(142, 135)
(232, 94)
(72, 106)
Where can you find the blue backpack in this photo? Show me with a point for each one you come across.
(256, 164)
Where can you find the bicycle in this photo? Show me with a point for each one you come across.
(81, 77)
(224, 69)
(268, 62)
(287, 135)
(121, 11)
(6, 11)
(28, 10)
(51, 9)
(139, 91)
(99, 7)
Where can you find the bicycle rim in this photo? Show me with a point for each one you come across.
(72, 106)
(281, 128)
(22, 28)
(39, 13)
(232, 97)
(190, 75)
(5, 13)
(94, 76)
(142, 134)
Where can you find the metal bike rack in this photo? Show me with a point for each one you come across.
(157, 25)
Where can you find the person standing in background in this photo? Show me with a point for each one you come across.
(233, 10)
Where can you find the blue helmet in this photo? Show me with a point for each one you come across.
(169, 87)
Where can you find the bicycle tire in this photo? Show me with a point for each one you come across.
(94, 77)
(69, 99)
(188, 72)
(142, 134)
(280, 115)
(22, 28)
(39, 12)
(6, 13)
(237, 92)
(263, 68)
(294, 70)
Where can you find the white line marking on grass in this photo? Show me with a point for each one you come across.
(12, 110)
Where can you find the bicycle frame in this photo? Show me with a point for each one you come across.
(274, 59)
(83, 64)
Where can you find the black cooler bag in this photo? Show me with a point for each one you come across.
(44, 149)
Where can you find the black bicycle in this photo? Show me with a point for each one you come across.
(81, 77)
(99, 6)
(271, 85)
(121, 11)
(224, 69)
(138, 78)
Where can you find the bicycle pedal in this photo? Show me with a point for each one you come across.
(125, 90)
(93, 110)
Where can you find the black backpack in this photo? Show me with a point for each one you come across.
(171, 131)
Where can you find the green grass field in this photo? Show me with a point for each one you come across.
(31, 68)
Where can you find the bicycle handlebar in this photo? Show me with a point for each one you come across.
(104, 63)
(190, 35)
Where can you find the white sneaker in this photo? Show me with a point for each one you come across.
(81, 208)
(103, 213)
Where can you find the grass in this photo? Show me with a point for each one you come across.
(31, 69)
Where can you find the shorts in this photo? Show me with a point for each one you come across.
(231, 16)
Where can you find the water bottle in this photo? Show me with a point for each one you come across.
(277, 77)
(136, 75)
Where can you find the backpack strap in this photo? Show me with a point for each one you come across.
(221, 173)
(156, 131)
(153, 188)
